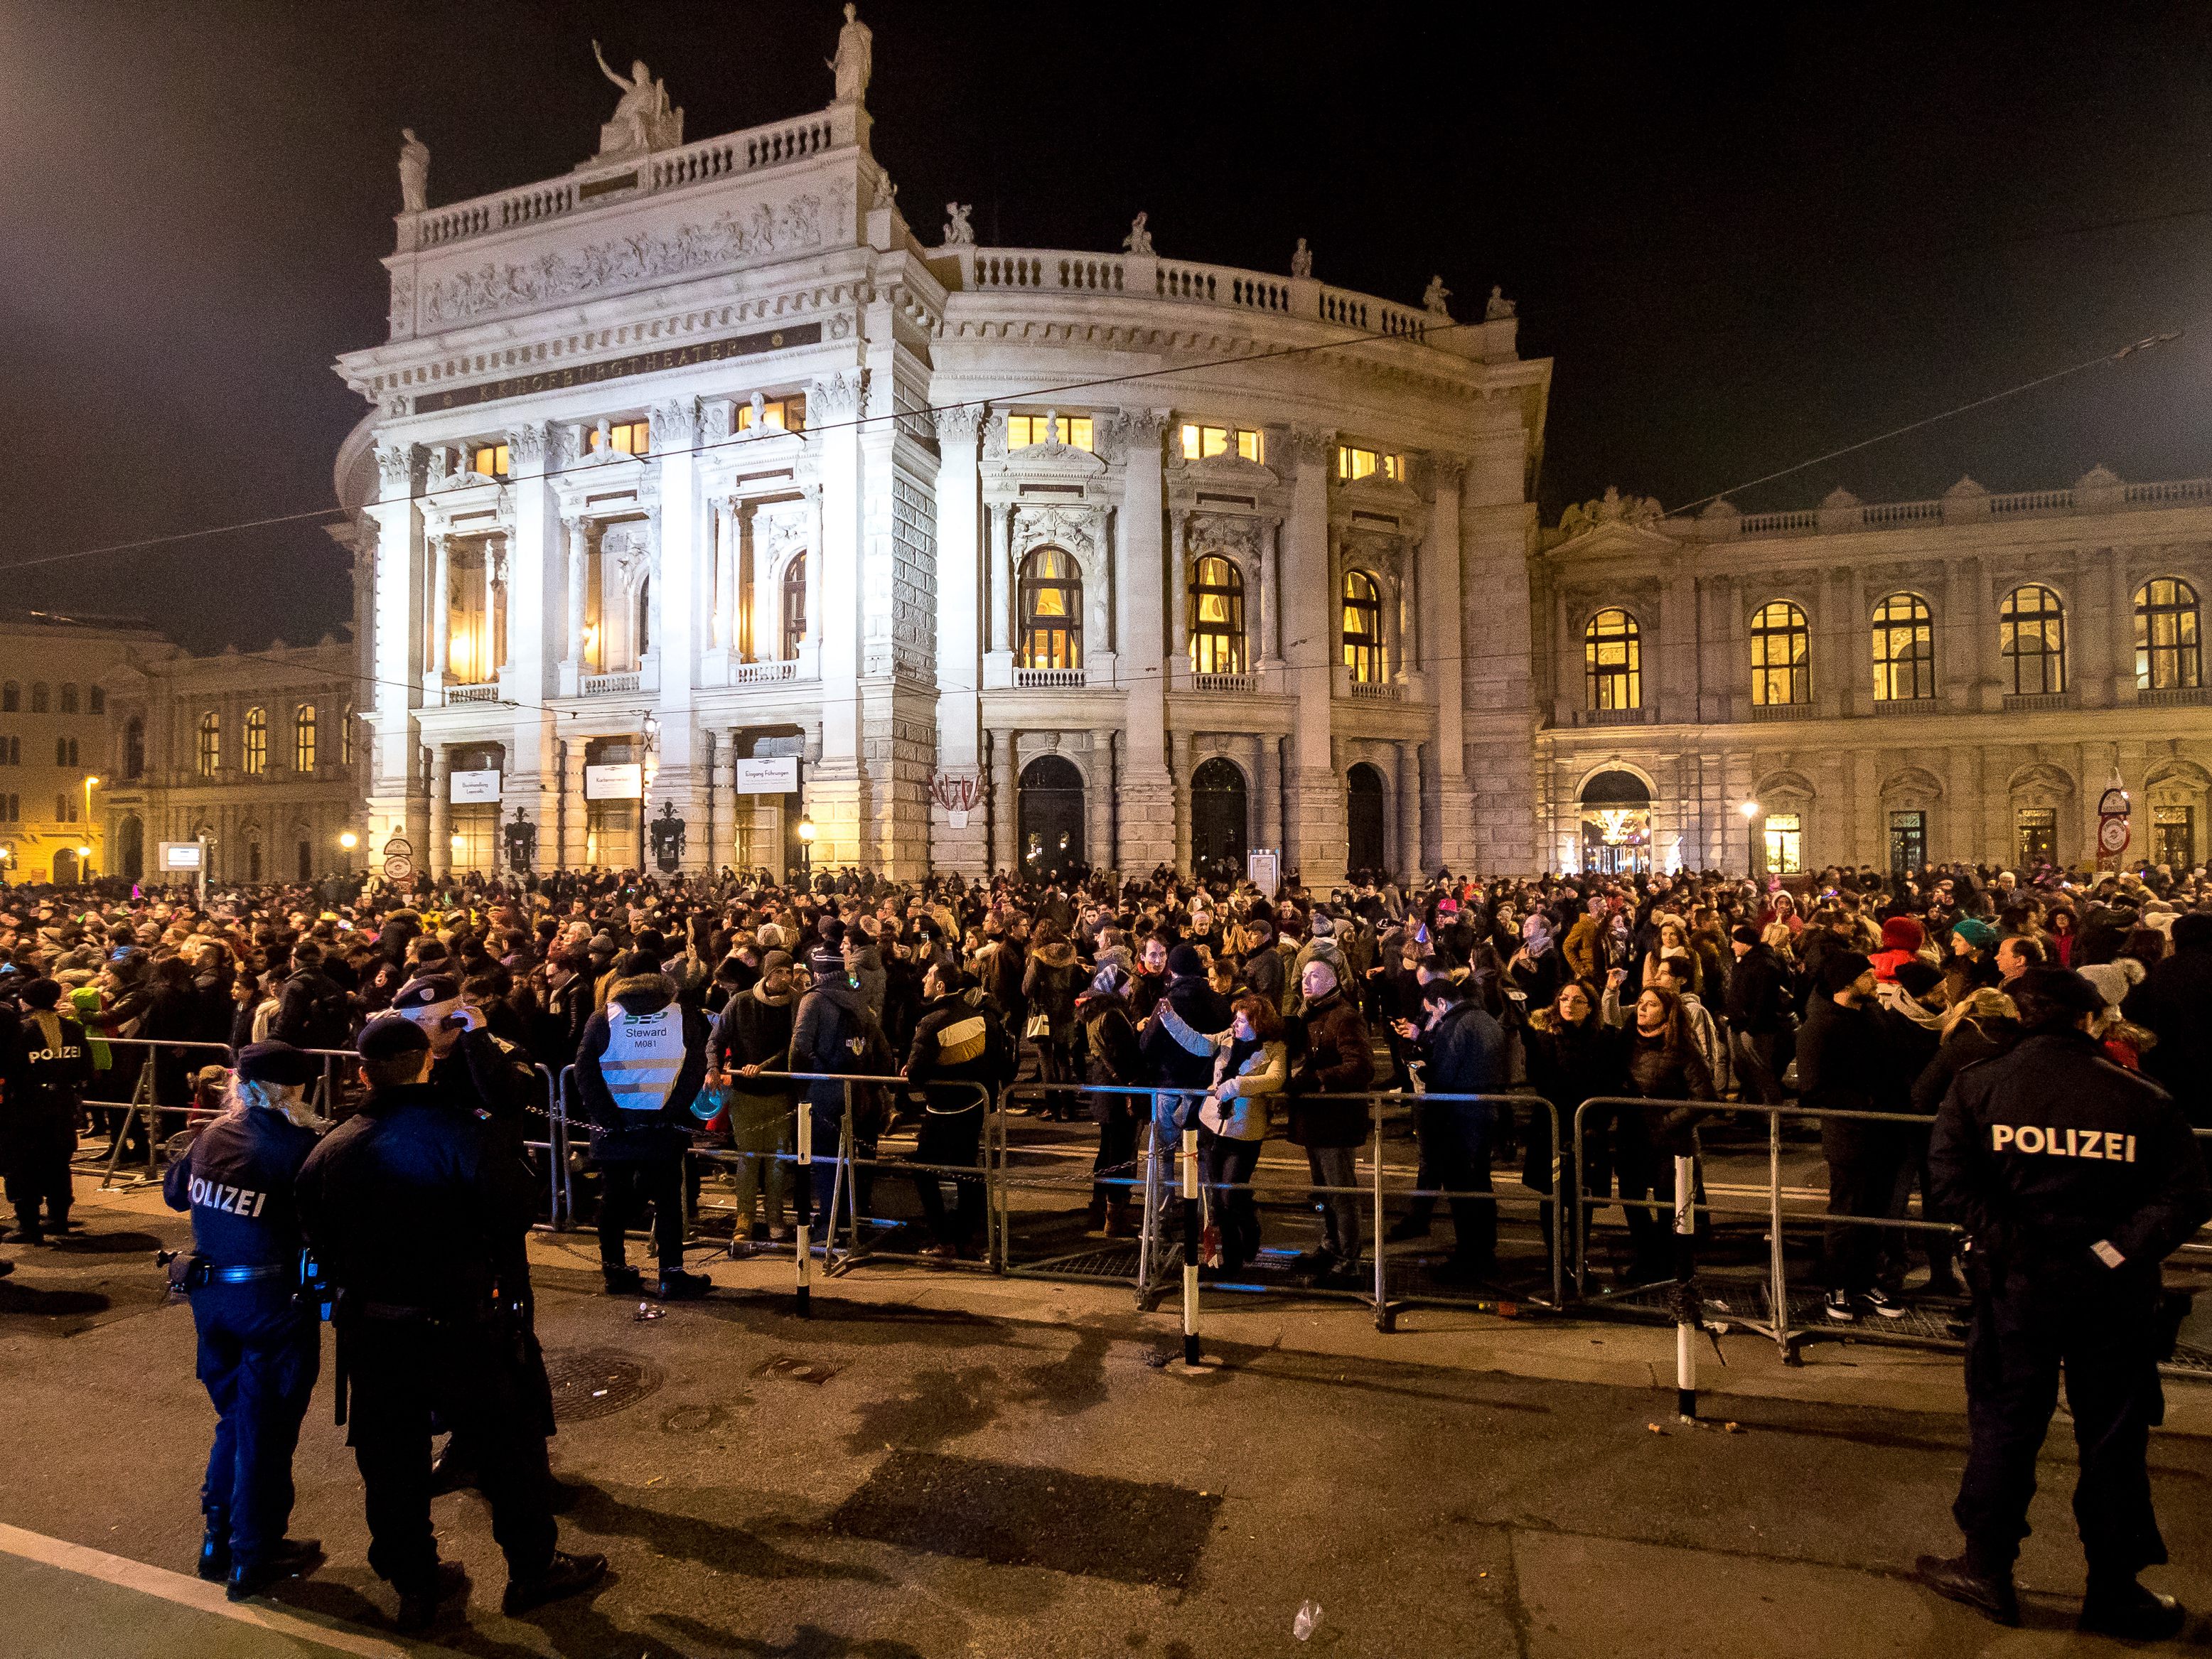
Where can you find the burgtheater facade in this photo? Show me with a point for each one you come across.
(702, 504)
(695, 462)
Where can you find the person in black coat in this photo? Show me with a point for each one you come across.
(1842, 1066)
(960, 1059)
(1114, 1059)
(1463, 1052)
(2175, 1001)
(1178, 1051)
(1573, 1056)
(45, 1067)
(1758, 1005)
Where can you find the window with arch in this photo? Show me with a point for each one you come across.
(69, 697)
(96, 698)
(11, 697)
(1612, 660)
(1904, 649)
(794, 605)
(1217, 616)
(2032, 641)
(1363, 628)
(40, 698)
(346, 737)
(2167, 657)
(134, 748)
(256, 763)
(303, 738)
(1781, 655)
(1052, 611)
(208, 746)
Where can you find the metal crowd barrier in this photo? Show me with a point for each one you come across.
(144, 1088)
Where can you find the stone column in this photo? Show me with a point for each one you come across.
(575, 539)
(1271, 603)
(959, 652)
(837, 797)
(1269, 773)
(1004, 814)
(1979, 629)
(1178, 599)
(2119, 633)
(441, 607)
(1179, 767)
(1147, 799)
(725, 632)
(1315, 830)
(439, 855)
(1409, 811)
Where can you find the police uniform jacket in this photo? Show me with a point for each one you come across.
(2051, 1150)
(643, 1057)
(413, 1204)
(46, 1070)
(238, 1181)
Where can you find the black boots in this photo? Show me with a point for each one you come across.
(564, 1575)
(2124, 1608)
(1959, 1581)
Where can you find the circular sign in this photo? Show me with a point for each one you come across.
(2114, 803)
(2113, 835)
(398, 867)
(399, 848)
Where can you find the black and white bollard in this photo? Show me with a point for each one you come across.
(803, 1203)
(1192, 1222)
(1686, 1291)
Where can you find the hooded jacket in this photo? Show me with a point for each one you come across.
(1113, 1055)
(959, 1056)
(1185, 1062)
(1050, 984)
(834, 1031)
(751, 1030)
(639, 1065)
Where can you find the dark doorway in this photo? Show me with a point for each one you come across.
(131, 847)
(1051, 817)
(1219, 819)
(1363, 793)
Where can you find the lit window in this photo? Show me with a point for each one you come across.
(2031, 639)
(1217, 616)
(1785, 844)
(1052, 611)
(257, 742)
(776, 415)
(1201, 443)
(2167, 657)
(1781, 655)
(489, 459)
(1612, 660)
(626, 437)
(210, 743)
(1904, 649)
(2038, 836)
(1074, 430)
(1363, 628)
(1353, 465)
(303, 739)
(794, 606)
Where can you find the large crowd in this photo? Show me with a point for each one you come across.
(1271, 1015)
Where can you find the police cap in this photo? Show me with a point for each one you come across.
(2054, 996)
(277, 1062)
(388, 1037)
(425, 993)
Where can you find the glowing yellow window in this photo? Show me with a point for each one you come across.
(1353, 465)
(776, 415)
(489, 459)
(1076, 431)
(1203, 442)
(627, 437)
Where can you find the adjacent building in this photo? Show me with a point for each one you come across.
(54, 741)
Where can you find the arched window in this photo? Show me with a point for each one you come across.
(256, 763)
(134, 748)
(1904, 649)
(1612, 660)
(1363, 628)
(2031, 639)
(69, 697)
(643, 633)
(1052, 611)
(1217, 616)
(209, 743)
(1781, 655)
(11, 698)
(2166, 655)
(97, 696)
(39, 697)
(794, 606)
(346, 737)
(303, 739)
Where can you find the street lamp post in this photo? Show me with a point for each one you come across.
(1750, 810)
(83, 866)
(807, 849)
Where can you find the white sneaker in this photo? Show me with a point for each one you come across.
(1839, 1307)
(1883, 1304)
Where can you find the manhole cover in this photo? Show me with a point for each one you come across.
(797, 1371)
(597, 1383)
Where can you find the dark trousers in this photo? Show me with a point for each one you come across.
(260, 1350)
(1759, 1077)
(1941, 1249)
(474, 1380)
(1115, 1174)
(1536, 1174)
(40, 1180)
(1864, 1161)
(1463, 1132)
(2100, 1332)
(952, 1138)
(1226, 1166)
(624, 1191)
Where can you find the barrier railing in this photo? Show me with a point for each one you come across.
(144, 1104)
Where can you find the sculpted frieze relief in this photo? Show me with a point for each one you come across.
(1234, 533)
(729, 239)
(1073, 528)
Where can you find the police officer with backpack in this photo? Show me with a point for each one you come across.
(639, 1065)
(260, 1335)
(2074, 1180)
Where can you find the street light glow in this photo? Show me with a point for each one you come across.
(348, 840)
(1749, 809)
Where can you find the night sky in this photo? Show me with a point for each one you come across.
(1745, 237)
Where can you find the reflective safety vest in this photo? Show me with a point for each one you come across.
(644, 1054)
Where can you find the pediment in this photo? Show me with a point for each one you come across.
(1054, 464)
(1228, 471)
(1615, 539)
(1376, 494)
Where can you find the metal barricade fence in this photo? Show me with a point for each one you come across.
(143, 1108)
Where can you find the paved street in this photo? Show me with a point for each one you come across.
(947, 1465)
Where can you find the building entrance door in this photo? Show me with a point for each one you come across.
(1219, 818)
(1051, 817)
(1908, 841)
(1363, 808)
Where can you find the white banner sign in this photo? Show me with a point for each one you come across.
(776, 776)
(624, 783)
(181, 855)
(1264, 868)
(472, 787)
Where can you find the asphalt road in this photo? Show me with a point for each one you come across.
(906, 1476)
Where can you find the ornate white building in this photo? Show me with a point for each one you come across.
(697, 456)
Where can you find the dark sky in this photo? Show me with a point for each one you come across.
(1746, 236)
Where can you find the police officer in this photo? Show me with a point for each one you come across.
(2074, 1180)
(260, 1338)
(47, 1071)
(413, 1207)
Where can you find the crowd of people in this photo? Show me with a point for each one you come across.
(2031, 1055)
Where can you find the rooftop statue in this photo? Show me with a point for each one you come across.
(1302, 259)
(1433, 298)
(1499, 307)
(958, 231)
(1139, 240)
(643, 122)
(414, 173)
(855, 59)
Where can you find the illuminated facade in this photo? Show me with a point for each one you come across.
(697, 460)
